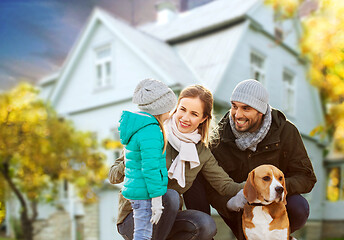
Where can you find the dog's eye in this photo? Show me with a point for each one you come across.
(280, 178)
(266, 178)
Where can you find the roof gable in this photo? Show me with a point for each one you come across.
(158, 55)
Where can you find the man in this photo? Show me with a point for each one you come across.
(251, 134)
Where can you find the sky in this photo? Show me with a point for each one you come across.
(36, 35)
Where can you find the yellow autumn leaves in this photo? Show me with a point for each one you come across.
(333, 185)
(322, 43)
(285, 8)
(41, 148)
(2, 212)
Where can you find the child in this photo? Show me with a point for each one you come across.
(145, 142)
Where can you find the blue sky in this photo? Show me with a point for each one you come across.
(36, 35)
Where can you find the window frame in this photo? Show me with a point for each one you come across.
(289, 103)
(101, 65)
(254, 68)
(117, 152)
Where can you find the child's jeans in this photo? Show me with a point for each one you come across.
(143, 228)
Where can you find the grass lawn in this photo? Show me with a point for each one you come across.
(2, 238)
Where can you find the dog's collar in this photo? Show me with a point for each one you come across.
(256, 204)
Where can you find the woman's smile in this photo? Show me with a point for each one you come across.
(189, 114)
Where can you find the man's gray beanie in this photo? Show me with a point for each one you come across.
(154, 97)
(252, 93)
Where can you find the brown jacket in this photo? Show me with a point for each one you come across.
(212, 172)
(282, 147)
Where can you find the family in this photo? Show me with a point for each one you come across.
(172, 158)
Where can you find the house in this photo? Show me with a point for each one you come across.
(217, 45)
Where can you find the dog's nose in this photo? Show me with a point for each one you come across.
(279, 190)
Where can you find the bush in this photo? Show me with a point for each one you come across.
(16, 225)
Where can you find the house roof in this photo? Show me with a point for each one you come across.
(201, 19)
(49, 79)
(202, 59)
(209, 56)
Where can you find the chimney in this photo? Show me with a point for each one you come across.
(308, 7)
(166, 11)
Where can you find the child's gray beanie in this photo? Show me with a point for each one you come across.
(252, 93)
(154, 97)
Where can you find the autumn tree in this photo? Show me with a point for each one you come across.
(322, 44)
(2, 200)
(39, 149)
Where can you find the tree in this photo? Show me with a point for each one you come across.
(39, 149)
(322, 43)
(2, 201)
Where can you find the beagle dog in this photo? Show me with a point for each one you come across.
(265, 215)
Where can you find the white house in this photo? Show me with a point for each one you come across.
(217, 45)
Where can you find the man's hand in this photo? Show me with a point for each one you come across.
(156, 209)
(237, 202)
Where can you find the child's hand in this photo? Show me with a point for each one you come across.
(156, 209)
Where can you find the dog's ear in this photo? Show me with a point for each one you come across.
(284, 200)
(250, 191)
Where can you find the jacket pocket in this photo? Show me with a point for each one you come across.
(162, 176)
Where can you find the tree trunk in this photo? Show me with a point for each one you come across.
(27, 226)
(26, 222)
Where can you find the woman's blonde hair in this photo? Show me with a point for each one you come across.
(161, 124)
(198, 91)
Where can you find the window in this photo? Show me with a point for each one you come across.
(278, 34)
(289, 92)
(116, 145)
(257, 67)
(103, 67)
(335, 184)
(190, 4)
(117, 153)
(63, 190)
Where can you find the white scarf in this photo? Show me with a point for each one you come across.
(185, 144)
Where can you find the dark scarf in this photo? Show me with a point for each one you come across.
(248, 140)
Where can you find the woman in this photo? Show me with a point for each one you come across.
(187, 154)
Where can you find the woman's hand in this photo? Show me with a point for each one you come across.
(116, 173)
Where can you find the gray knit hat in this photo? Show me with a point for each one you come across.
(154, 97)
(252, 93)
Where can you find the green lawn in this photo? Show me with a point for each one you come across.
(1, 238)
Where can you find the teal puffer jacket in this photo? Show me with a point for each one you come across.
(145, 165)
